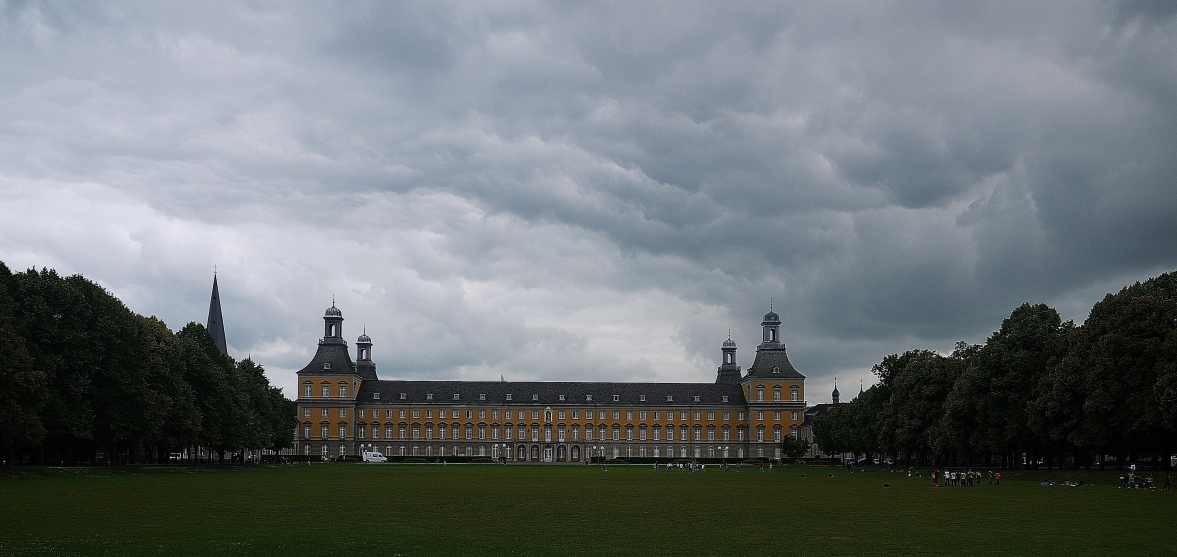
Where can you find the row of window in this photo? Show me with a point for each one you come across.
(325, 390)
(560, 453)
(455, 431)
(509, 414)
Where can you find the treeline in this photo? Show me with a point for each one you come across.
(1038, 390)
(82, 377)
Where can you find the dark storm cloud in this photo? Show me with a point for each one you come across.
(576, 190)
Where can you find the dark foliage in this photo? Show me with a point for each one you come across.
(1038, 390)
(82, 375)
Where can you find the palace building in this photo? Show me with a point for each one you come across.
(344, 408)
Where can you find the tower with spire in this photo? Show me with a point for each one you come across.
(215, 324)
(729, 370)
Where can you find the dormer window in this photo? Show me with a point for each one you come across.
(508, 396)
(457, 396)
(534, 397)
(696, 398)
(776, 369)
(326, 365)
(588, 398)
(616, 398)
(642, 398)
(429, 396)
(669, 398)
(561, 398)
(375, 396)
(725, 399)
(481, 396)
(404, 396)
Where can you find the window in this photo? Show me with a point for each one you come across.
(429, 396)
(669, 398)
(416, 431)
(642, 398)
(482, 414)
(404, 396)
(535, 433)
(561, 413)
(711, 415)
(507, 413)
(306, 431)
(306, 411)
(469, 414)
(561, 398)
(457, 396)
(534, 397)
(727, 433)
(326, 390)
(375, 431)
(416, 413)
(507, 432)
(616, 414)
(616, 398)
(760, 393)
(576, 432)
(388, 431)
(710, 433)
(508, 396)
(760, 434)
(776, 416)
(342, 431)
(616, 432)
(670, 433)
(362, 412)
(602, 416)
(657, 432)
(776, 434)
(325, 412)
(560, 432)
(342, 389)
(403, 413)
(360, 431)
(642, 415)
(403, 430)
(629, 415)
(576, 414)
(740, 435)
(535, 414)
(727, 416)
(481, 396)
(642, 433)
(375, 396)
(429, 413)
(482, 432)
(388, 413)
(698, 415)
(670, 415)
(306, 389)
(343, 412)
(696, 398)
(469, 431)
(776, 393)
(793, 393)
(588, 432)
(588, 398)
(323, 431)
(698, 433)
(629, 432)
(494, 414)
(326, 365)
(724, 398)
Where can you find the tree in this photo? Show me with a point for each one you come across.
(794, 447)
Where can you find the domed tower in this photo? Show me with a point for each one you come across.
(834, 395)
(332, 326)
(775, 391)
(365, 367)
(729, 371)
(328, 387)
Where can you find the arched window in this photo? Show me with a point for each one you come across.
(776, 393)
(361, 431)
(760, 434)
(727, 433)
(793, 431)
(306, 430)
(375, 430)
(324, 430)
(342, 430)
(629, 432)
(776, 434)
(711, 433)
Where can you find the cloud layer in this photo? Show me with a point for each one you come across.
(576, 191)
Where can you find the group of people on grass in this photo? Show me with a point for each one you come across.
(963, 478)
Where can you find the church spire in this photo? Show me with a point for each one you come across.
(216, 325)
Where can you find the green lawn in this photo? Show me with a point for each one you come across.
(388, 509)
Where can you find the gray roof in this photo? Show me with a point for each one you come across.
(548, 393)
(815, 411)
(768, 359)
(334, 353)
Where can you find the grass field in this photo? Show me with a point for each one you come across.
(374, 509)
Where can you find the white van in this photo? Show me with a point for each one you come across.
(374, 457)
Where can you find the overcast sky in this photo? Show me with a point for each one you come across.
(590, 191)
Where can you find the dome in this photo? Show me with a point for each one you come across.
(333, 312)
(729, 343)
(364, 339)
(772, 317)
